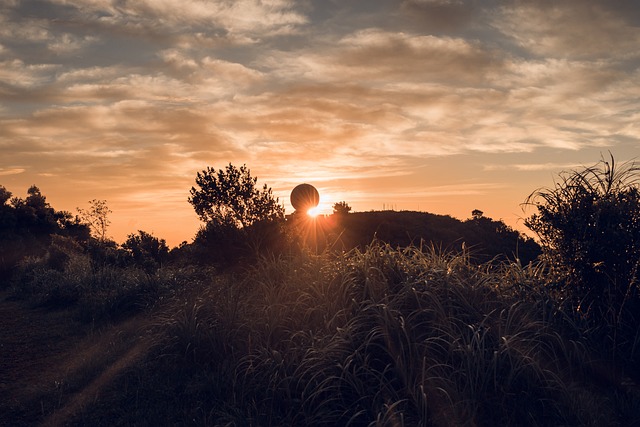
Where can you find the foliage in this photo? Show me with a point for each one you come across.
(486, 238)
(476, 214)
(97, 217)
(341, 208)
(382, 333)
(27, 226)
(589, 227)
(68, 277)
(230, 198)
(146, 251)
(382, 336)
(224, 247)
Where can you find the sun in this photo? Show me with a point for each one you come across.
(314, 212)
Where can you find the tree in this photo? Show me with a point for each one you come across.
(341, 208)
(146, 250)
(97, 218)
(35, 216)
(230, 197)
(589, 228)
(5, 195)
(27, 227)
(476, 214)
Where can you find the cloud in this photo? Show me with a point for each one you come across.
(572, 29)
(16, 74)
(234, 20)
(531, 167)
(376, 54)
(11, 171)
(131, 98)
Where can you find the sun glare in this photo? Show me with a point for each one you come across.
(314, 212)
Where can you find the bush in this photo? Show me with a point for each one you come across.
(225, 246)
(95, 292)
(589, 228)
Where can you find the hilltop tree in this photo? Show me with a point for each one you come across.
(341, 208)
(230, 197)
(5, 195)
(35, 215)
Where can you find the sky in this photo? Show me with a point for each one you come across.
(442, 106)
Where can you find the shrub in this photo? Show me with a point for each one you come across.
(145, 251)
(589, 228)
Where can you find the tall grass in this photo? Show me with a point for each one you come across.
(96, 292)
(384, 336)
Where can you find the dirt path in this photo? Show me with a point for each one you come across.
(51, 366)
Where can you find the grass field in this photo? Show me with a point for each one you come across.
(378, 336)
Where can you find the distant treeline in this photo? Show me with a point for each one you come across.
(27, 227)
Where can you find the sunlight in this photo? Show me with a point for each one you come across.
(314, 212)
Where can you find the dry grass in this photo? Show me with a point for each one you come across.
(379, 337)
(384, 336)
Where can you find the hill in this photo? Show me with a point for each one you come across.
(484, 238)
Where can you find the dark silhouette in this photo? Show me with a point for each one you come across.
(230, 198)
(589, 228)
(341, 208)
(304, 197)
(27, 226)
(240, 220)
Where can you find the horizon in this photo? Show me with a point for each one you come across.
(421, 105)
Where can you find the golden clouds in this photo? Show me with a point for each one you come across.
(235, 20)
(370, 99)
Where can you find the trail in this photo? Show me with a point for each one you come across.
(52, 366)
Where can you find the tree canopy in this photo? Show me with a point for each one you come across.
(341, 208)
(230, 197)
(27, 226)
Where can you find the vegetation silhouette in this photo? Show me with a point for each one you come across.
(383, 318)
(27, 226)
(240, 220)
(588, 224)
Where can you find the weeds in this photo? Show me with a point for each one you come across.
(380, 337)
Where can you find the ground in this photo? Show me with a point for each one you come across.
(51, 366)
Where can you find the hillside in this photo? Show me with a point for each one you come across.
(484, 238)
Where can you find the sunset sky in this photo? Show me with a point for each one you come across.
(441, 106)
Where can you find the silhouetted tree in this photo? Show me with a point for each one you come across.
(97, 217)
(5, 195)
(230, 197)
(146, 250)
(476, 214)
(240, 219)
(341, 208)
(27, 226)
(35, 215)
